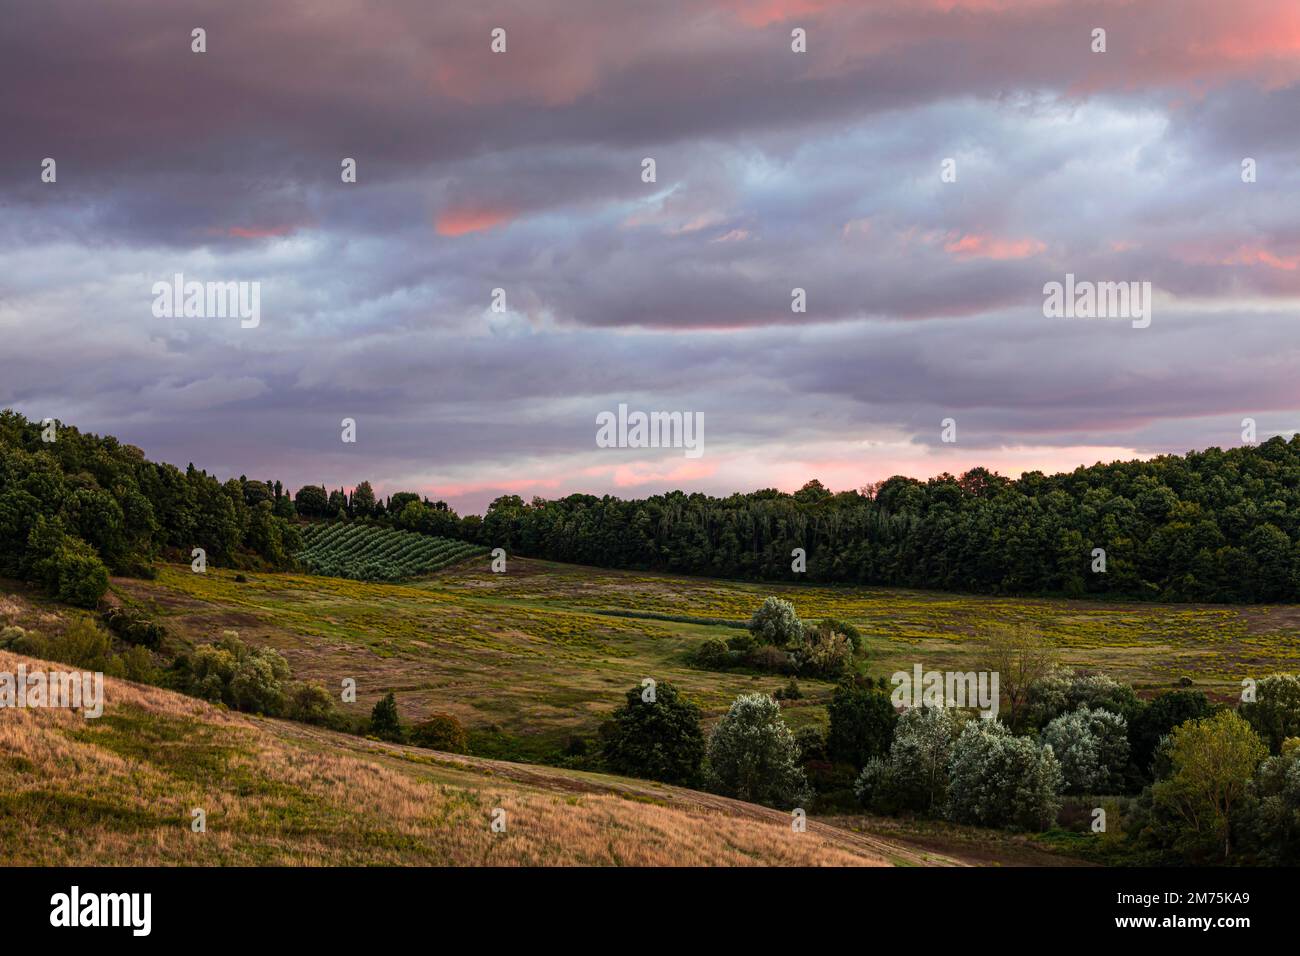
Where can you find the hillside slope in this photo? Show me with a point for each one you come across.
(119, 790)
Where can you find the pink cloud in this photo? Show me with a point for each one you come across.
(1251, 255)
(259, 232)
(463, 220)
(643, 473)
(976, 246)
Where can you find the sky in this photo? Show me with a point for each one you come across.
(921, 171)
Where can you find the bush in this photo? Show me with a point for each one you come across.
(811, 743)
(659, 740)
(837, 626)
(1092, 747)
(82, 577)
(862, 719)
(1275, 712)
(712, 655)
(86, 647)
(1000, 780)
(384, 722)
(441, 732)
(875, 788)
(776, 623)
(742, 643)
(310, 703)
(81, 645)
(790, 691)
(753, 756)
(766, 657)
(823, 652)
(230, 672)
(1272, 825)
(133, 627)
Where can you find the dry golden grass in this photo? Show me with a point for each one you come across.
(119, 791)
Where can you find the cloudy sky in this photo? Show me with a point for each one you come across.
(522, 171)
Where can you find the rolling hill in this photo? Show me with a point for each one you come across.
(119, 790)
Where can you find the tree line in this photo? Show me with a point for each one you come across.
(1211, 526)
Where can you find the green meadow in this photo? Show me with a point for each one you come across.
(531, 658)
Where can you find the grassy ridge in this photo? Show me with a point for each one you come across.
(119, 790)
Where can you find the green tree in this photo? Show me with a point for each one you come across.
(1092, 747)
(363, 500)
(384, 722)
(998, 779)
(441, 732)
(915, 775)
(312, 501)
(862, 719)
(776, 622)
(753, 756)
(1161, 715)
(1275, 712)
(657, 739)
(1212, 762)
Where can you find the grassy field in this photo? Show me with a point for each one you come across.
(527, 658)
(119, 790)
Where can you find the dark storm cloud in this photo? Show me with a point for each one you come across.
(522, 172)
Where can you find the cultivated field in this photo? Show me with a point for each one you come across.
(371, 553)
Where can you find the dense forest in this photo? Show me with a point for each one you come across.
(75, 507)
(1216, 526)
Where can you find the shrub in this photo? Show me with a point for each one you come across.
(68, 567)
(86, 647)
(659, 740)
(776, 623)
(1272, 825)
(712, 655)
(82, 577)
(997, 779)
(230, 672)
(766, 657)
(310, 703)
(384, 722)
(133, 627)
(846, 629)
(1275, 712)
(742, 643)
(81, 645)
(790, 691)
(1092, 747)
(823, 652)
(753, 756)
(811, 743)
(441, 732)
(862, 719)
(11, 634)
